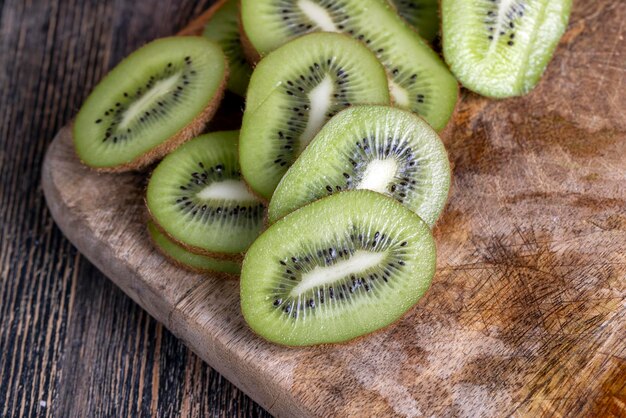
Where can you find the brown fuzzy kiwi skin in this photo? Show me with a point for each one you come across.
(249, 51)
(193, 129)
(355, 340)
(212, 273)
(263, 200)
(196, 26)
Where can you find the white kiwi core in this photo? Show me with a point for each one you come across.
(318, 14)
(320, 99)
(160, 89)
(359, 262)
(226, 190)
(399, 94)
(378, 174)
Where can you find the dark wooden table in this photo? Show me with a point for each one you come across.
(71, 343)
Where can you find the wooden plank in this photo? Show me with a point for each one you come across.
(526, 314)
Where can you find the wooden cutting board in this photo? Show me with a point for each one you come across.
(527, 312)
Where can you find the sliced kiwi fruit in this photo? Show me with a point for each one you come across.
(158, 97)
(336, 269)
(418, 79)
(500, 48)
(380, 148)
(223, 28)
(423, 15)
(293, 91)
(197, 198)
(190, 261)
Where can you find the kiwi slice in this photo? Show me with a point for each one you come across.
(418, 79)
(293, 92)
(190, 261)
(423, 15)
(380, 148)
(336, 269)
(158, 97)
(500, 48)
(223, 28)
(197, 197)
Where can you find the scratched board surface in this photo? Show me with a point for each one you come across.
(527, 312)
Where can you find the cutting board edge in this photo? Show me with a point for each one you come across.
(265, 392)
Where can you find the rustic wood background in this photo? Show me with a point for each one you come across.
(71, 343)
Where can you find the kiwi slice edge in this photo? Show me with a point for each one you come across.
(184, 259)
(385, 149)
(98, 124)
(277, 119)
(388, 264)
(501, 49)
(197, 198)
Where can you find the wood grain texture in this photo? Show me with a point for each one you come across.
(71, 343)
(527, 313)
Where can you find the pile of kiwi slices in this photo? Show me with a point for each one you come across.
(323, 198)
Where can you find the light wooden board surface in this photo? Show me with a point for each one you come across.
(527, 313)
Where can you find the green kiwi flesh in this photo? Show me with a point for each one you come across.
(183, 258)
(158, 97)
(293, 91)
(383, 149)
(423, 15)
(418, 79)
(336, 269)
(197, 197)
(223, 28)
(500, 48)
